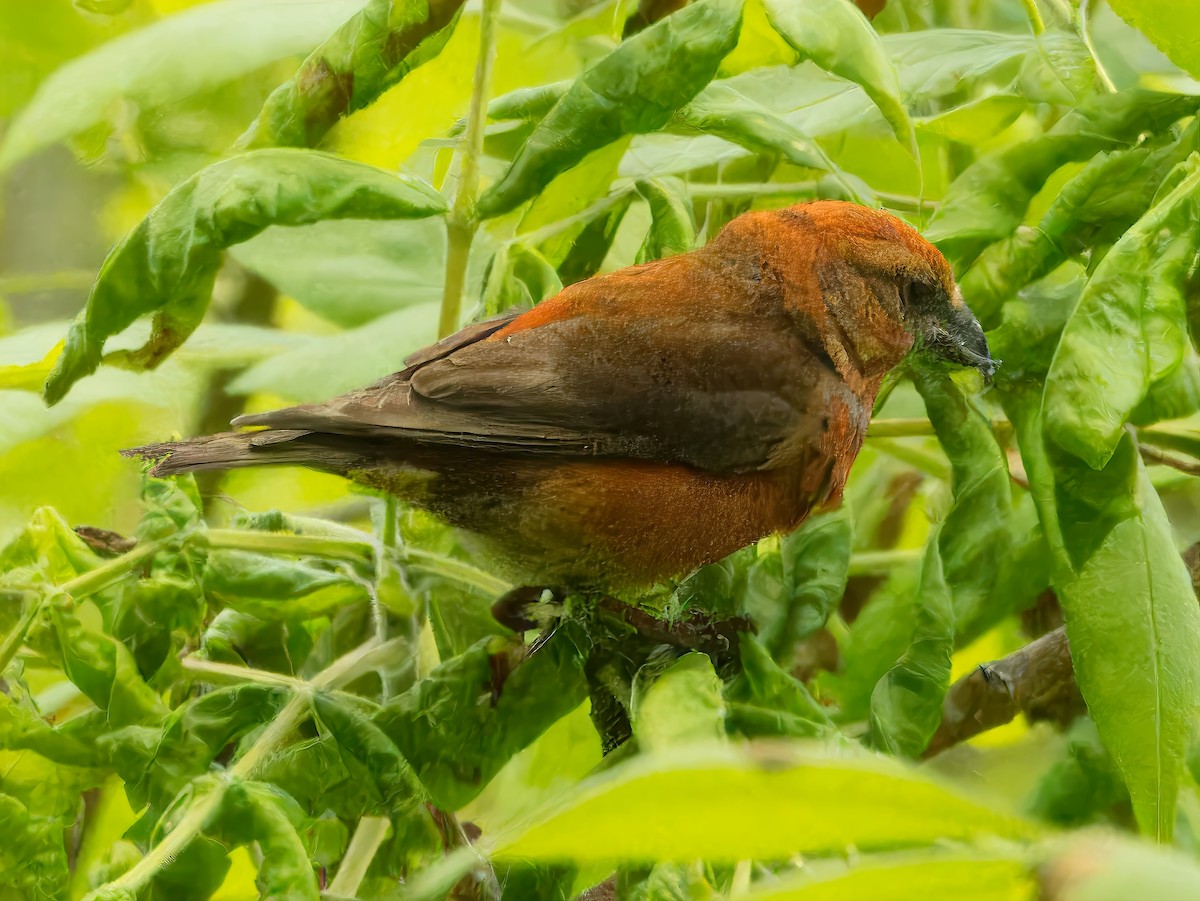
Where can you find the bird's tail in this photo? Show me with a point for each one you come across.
(234, 450)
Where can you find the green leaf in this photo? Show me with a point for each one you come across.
(278, 588)
(48, 546)
(633, 90)
(520, 278)
(33, 857)
(326, 366)
(569, 197)
(258, 812)
(461, 724)
(1094, 208)
(1131, 613)
(1098, 867)
(1134, 629)
(906, 705)
(672, 229)
(1170, 24)
(174, 58)
(879, 636)
(935, 63)
(989, 200)
(681, 704)
(154, 618)
(720, 110)
(1062, 71)
(167, 265)
(157, 763)
(765, 701)
(353, 272)
(957, 874)
(836, 36)
(795, 584)
(1082, 783)
(370, 53)
(105, 671)
(1129, 329)
(985, 115)
(976, 536)
(373, 754)
(527, 103)
(759, 801)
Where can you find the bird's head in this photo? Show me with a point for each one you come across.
(909, 277)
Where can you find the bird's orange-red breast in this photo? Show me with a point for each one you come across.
(644, 422)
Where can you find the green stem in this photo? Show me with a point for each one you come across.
(1035, 16)
(346, 549)
(285, 722)
(16, 636)
(454, 569)
(282, 543)
(77, 589)
(917, 457)
(228, 672)
(461, 222)
(739, 190)
(870, 563)
(587, 214)
(113, 571)
(161, 855)
(367, 838)
(922, 428)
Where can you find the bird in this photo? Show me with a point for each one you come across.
(647, 421)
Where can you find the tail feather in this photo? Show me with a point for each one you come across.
(234, 450)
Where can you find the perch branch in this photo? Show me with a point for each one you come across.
(1037, 681)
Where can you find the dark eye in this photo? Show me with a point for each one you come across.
(919, 296)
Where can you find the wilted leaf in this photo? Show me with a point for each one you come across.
(988, 201)
(766, 702)
(633, 90)
(374, 754)
(461, 724)
(371, 52)
(977, 536)
(837, 37)
(168, 264)
(906, 705)
(672, 229)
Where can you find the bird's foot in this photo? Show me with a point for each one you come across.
(528, 607)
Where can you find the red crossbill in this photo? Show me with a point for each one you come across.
(644, 422)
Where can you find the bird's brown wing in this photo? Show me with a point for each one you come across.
(618, 366)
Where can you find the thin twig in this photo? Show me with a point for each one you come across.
(1154, 455)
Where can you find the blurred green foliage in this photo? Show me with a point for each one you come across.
(217, 698)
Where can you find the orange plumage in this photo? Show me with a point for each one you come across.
(647, 421)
